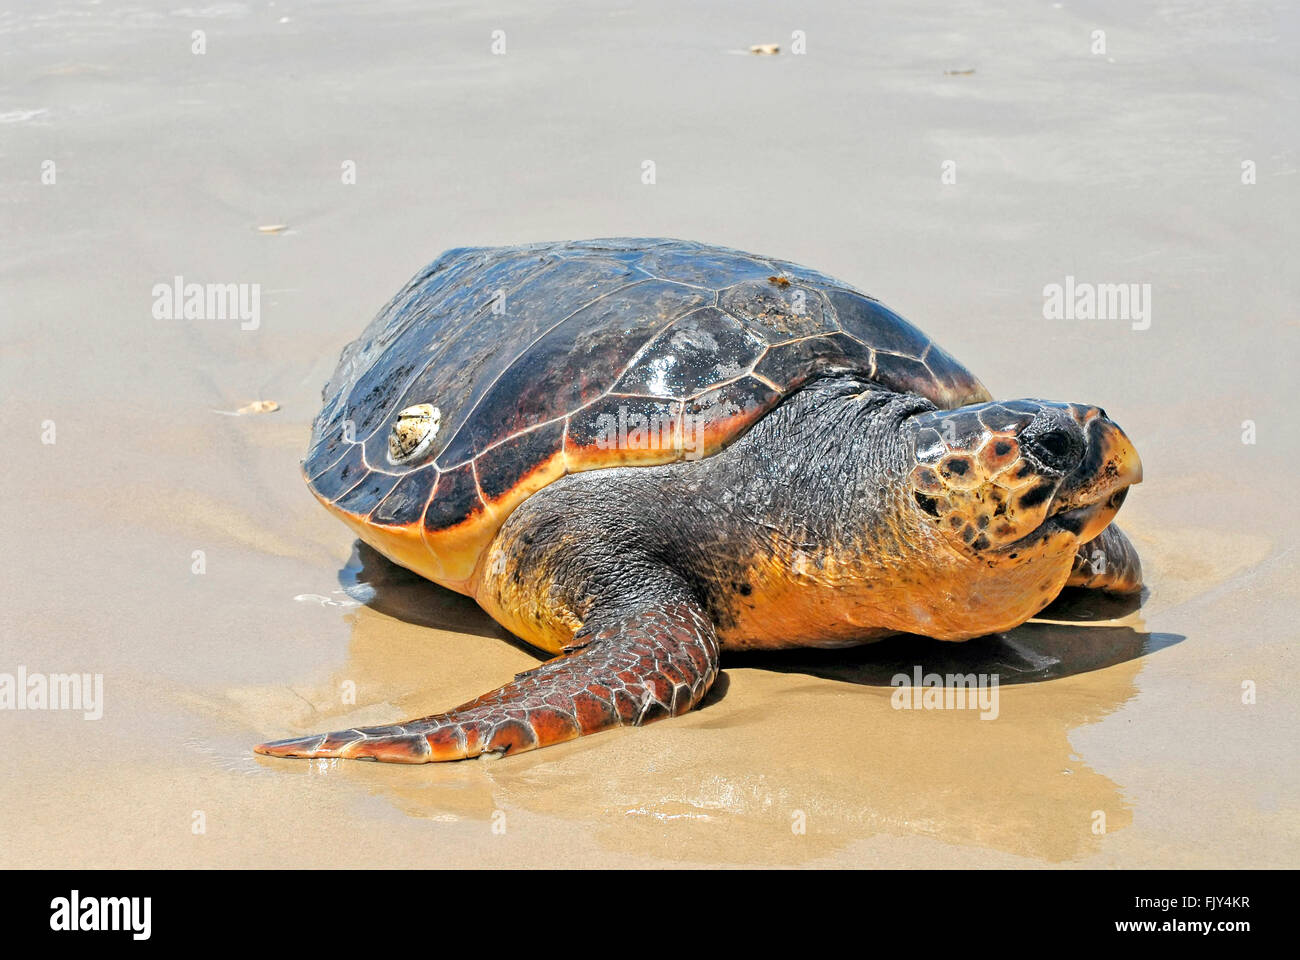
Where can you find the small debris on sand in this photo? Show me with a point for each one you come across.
(273, 228)
(765, 49)
(779, 281)
(259, 406)
(958, 73)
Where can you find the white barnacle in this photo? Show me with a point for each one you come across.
(413, 431)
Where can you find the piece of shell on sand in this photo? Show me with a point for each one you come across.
(259, 406)
(273, 228)
(765, 49)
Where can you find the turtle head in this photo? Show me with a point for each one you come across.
(998, 477)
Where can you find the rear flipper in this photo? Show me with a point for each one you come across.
(1107, 562)
(628, 667)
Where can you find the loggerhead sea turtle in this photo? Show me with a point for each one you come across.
(633, 453)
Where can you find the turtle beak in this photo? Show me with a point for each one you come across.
(1090, 497)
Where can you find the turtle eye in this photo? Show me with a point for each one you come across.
(1054, 447)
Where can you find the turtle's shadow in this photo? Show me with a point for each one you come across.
(1067, 638)
(372, 579)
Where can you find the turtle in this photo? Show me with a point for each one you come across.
(636, 453)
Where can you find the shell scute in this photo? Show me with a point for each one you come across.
(902, 373)
(370, 491)
(342, 475)
(455, 501)
(620, 430)
(703, 266)
(467, 363)
(711, 420)
(872, 322)
(522, 458)
(576, 362)
(703, 348)
(404, 504)
(777, 312)
(792, 363)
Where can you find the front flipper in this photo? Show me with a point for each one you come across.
(628, 667)
(1107, 562)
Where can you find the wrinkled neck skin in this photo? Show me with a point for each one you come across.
(801, 533)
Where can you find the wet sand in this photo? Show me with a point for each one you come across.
(1116, 168)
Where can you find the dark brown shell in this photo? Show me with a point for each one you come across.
(543, 358)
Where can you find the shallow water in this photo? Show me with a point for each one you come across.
(1115, 168)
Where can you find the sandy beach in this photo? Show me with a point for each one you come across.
(952, 160)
